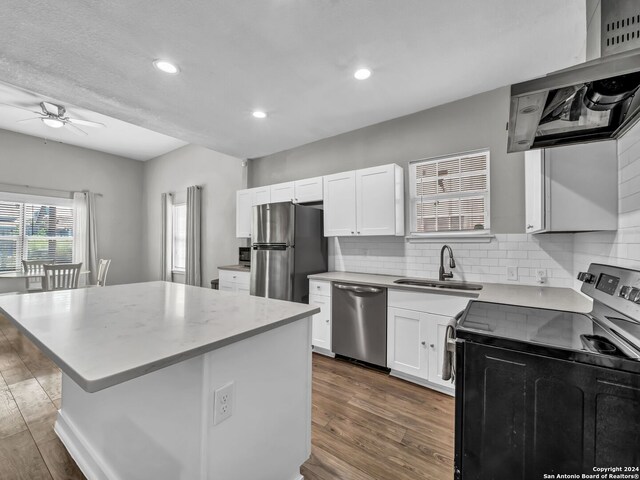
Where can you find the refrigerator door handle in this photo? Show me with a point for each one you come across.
(357, 289)
(277, 246)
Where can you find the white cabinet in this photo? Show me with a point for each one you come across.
(320, 296)
(244, 204)
(416, 327)
(282, 192)
(245, 200)
(406, 341)
(308, 190)
(364, 202)
(572, 188)
(300, 191)
(340, 204)
(234, 281)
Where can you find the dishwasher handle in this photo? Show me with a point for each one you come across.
(357, 288)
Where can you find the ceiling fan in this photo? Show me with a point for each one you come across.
(54, 116)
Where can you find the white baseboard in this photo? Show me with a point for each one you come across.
(424, 383)
(324, 351)
(90, 465)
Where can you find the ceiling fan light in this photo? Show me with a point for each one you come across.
(166, 67)
(53, 122)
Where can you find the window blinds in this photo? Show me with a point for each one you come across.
(450, 194)
(34, 231)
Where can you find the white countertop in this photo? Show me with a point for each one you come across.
(522, 295)
(107, 335)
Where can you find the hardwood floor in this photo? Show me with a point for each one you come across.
(366, 425)
(370, 426)
(29, 399)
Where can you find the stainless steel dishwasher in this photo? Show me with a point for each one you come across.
(359, 322)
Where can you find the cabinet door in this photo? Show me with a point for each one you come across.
(376, 201)
(534, 186)
(407, 342)
(244, 204)
(321, 326)
(340, 204)
(282, 192)
(437, 327)
(261, 195)
(308, 190)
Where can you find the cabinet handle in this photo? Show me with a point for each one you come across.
(424, 344)
(432, 345)
(352, 232)
(358, 233)
(529, 227)
(318, 287)
(327, 320)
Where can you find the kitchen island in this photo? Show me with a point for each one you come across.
(141, 365)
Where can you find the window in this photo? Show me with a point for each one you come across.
(450, 194)
(179, 237)
(35, 231)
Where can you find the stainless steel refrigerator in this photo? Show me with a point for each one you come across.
(288, 244)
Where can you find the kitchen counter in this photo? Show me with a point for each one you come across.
(236, 268)
(141, 365)
(521, 295)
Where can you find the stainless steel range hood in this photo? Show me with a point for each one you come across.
(596, 100)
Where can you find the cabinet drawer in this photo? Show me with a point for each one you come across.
(231, 276)
(320, 287)
(447, 305)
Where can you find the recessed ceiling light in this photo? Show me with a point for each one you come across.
(166, 67)
(259, 114)
(53, 122)
(362, 74)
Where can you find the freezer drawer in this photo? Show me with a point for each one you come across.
(272, 271)
(359, 322)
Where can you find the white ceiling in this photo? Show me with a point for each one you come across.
(118, 137)
(292, 58)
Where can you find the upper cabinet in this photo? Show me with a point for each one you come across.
(300, 191)
(360, 202)
(572, 189)
(245, 200)
(364, 202)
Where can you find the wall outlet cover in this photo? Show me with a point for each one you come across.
(512, 274)
(541, 275)
(223, 403)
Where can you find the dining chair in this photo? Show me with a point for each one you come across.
(103, 268)
(61, 277)
(35, 267)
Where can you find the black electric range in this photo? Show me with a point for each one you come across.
(542, 391)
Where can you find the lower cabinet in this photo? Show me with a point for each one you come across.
(320, 296)
(234, 281)
(416, 328)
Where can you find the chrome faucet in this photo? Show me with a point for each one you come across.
(452, 263)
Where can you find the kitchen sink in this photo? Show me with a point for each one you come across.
(438, 284)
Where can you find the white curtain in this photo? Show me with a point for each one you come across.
(165, 248)
(193, 260)
(85, 239)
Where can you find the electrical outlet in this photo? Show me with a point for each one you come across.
(223, 403)
(512, 273)
(541, 275)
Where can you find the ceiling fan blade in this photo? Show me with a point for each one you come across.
(75, 129)
(28, 119)
(21, 108)
(86, 123)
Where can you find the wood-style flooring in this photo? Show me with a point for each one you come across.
(366, 425)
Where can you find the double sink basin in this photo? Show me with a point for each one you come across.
(438, 284)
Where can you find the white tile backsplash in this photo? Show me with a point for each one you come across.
(476, 262)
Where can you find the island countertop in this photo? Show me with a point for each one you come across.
(104, 336)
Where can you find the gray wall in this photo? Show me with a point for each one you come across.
(220, 176)
(32, 161)
(467, 124)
